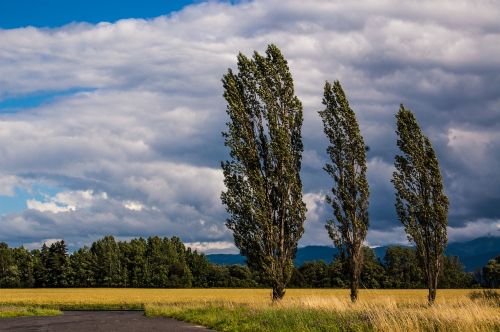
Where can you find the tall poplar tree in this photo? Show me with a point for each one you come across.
(421, 204)
(350, 192)
(262, 177)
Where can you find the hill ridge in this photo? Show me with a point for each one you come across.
(473, 254)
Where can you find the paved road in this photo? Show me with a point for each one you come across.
(97, 321)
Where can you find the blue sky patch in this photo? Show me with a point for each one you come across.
(17, 202)
(54, 13)
(18, 103)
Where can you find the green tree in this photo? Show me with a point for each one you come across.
(350, 192)
(134, 261)
(83, 267)
(337, 272)
(199, 266)
(421, 204)
(315, 274)
(218, 276)
(9, 272)
(57, 265)
(157, 263)
(40, 258)
(179, 272)
(240, 276)
(453, 275)
(297, 280)
(373, 274)
(166, 263)
(108, 266)
(491, 273)
(402, 268)
(264, 189)
(25, 263)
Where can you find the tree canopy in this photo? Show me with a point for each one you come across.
(421, 203)
(347, 168)
(262, 177)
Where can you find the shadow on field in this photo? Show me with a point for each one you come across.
(97, 321)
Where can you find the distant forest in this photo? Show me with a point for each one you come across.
(167, 263)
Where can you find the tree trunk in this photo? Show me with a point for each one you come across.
(356, 263)
(278, 291)
(432, 296)
(354, 290)
(432, 284)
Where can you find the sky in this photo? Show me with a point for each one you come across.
(111, 112)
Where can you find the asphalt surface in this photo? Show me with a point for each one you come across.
(97, 321)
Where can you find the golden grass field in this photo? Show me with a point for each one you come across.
(383, 310)
(140, 296)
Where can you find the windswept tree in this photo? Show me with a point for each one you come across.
(421, 204)
(262, 177)
(350, 192)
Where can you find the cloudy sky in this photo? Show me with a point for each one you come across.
(110, 117)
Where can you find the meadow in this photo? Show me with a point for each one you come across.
(252, 309)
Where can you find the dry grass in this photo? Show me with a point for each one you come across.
(385, 313)
(125, 298)
(302, 309)
(138, 296)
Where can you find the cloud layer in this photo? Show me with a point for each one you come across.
(132, 130)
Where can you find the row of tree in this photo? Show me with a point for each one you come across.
(152, 262)
(399, 269)
(264, 189)
(167, 263)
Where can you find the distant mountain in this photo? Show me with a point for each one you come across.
(473, 254)
(315, 253)
(226, 259)
(476, 253)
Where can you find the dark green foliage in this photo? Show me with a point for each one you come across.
(21, 268)
(297, 280)
(83, 267)
(349, 198)
(51, 266)
(199, 267)
(403, 269)
(491, 273)
(318, 274)
(133, 256)
(166, 263)
(25, 265)
(264, 189)
(157, 263)
(373, 274)
(315, 274)
(231, 276)
(57, 265)
(453, 275)
(421, 204)
(9, 272)
(108, 270)
(154, 262)
(338, 273)
(39, 260)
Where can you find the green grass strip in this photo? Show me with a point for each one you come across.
(242, 318)
(13, 311)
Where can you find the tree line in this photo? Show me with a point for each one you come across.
(166, 263)
(264, 196)
(151, 262)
